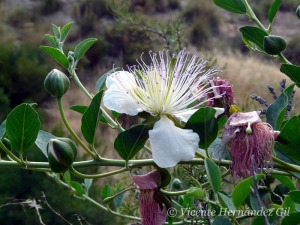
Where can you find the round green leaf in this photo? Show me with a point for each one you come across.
(295, 196)
(204, 123)
(243, 189)
(130, 142)
(255, 35)
(22, 127)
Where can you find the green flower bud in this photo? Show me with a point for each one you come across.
(61, 154)
(298, 12)
(71, 56)
(176, 183)
(57, 83)
(273, 45)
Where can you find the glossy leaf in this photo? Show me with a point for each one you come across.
(295, 196)
(42, 140)
(289, 204)
(289, 139)
(65, 31)
(243, 189)
(213, 174)
(225, 201)
(79, 108)
(204, 123)
(291, 219)
(255, 35)
(22, 127)
(2, 129)
(221, 220)
(286, 181)
(234, 6)
(276, 111)
(82, 47)
(57, 55)
(100, 84)
(130, 142)
(273, 10)
(292, 71)
(78, 188)
(90, 119)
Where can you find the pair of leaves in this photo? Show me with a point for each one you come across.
(62, 59)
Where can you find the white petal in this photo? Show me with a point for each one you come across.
(184, 116)
(118, 100)
(171, 144)
(121, 77)
(219, 111)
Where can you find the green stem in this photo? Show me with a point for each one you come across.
(207, 153)
(200, 155)
(92, 201)
(10, 154)
(287, 165)
(64, 118)
(110, 120)
(84, 176)
(110, 198)
(283, 59)
(253, 17)
(176, 193)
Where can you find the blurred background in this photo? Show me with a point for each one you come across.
(124, 32)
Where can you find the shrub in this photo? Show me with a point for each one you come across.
(22, 73)
(203, 20)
